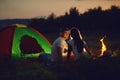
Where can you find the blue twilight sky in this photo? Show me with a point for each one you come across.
(10, 9)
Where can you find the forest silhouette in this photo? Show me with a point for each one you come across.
(94, 21)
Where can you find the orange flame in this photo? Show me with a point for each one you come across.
(103, 49)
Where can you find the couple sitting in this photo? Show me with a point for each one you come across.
(63, 46)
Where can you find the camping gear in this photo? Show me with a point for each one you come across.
(19, 40)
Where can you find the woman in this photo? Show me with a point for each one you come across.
(76, 44)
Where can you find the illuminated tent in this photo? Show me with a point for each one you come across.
(19, 40)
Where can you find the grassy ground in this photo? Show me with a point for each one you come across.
(104, 68)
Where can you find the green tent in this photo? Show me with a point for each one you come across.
(22, 41)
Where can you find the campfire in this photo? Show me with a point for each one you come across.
(103, 48)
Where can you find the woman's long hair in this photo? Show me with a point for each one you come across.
(75, 33)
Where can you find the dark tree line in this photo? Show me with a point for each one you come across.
(92, 21)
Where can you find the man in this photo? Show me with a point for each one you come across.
(59, 46)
